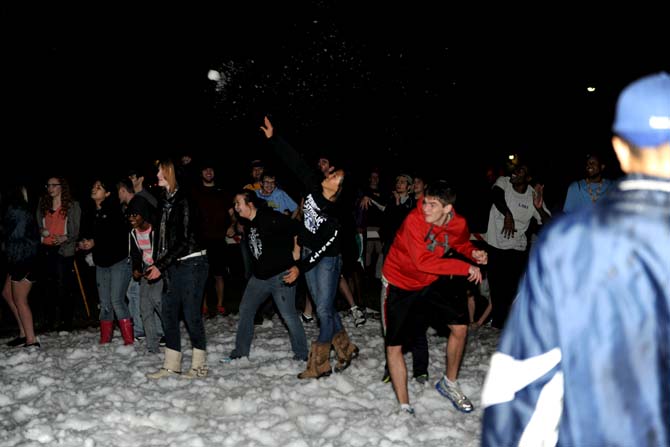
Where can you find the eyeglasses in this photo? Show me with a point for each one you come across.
(51, 185)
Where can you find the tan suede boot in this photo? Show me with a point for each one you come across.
(345, 350)
(318, 362)
(171, 365)
(198, 365)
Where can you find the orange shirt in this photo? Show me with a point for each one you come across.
(253, 186)
(54, 223)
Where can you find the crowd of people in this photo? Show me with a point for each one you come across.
(153, 252)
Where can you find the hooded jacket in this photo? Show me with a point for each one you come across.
(585, 356)
(415, 259)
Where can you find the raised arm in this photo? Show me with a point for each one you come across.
(289, 156)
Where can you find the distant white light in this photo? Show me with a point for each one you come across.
(590, 89)
(213, 75)
(511, 157)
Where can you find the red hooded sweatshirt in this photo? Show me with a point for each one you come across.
(415, 259)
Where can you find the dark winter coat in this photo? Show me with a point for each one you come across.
(178, 229)
(22, 234)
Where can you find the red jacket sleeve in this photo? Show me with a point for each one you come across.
(459, 236)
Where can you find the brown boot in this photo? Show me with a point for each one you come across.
(318, 362)
(345, 350)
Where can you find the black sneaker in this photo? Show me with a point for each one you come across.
(306, 318)
(233, 356)
(18, 341)
(32, 345)
(422, 378)
(162, 342)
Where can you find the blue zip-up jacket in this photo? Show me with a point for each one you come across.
(585, 356)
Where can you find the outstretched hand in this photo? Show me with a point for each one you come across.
(267, 129)
(474, 274)
(480, 257)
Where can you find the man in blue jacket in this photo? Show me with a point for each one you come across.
(585, 355)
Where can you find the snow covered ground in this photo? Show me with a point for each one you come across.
(74, 392)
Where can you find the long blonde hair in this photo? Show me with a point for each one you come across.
(169, 173)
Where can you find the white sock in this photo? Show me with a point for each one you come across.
(405, 407)
(449, 382)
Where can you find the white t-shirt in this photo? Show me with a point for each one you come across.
(522, 208)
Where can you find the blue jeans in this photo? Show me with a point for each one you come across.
(112, 284)
(150, 305)
(133, 295)
(322, 281)
(185, 286)
(255, 293)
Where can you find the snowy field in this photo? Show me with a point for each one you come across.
(74, 392)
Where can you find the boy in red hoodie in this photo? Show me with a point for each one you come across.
(419, 280)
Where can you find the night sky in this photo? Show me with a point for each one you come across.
(403, 89)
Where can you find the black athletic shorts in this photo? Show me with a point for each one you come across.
(442, 303)
(20, 271)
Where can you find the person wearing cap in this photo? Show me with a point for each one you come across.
(127, 194)
(584, 358)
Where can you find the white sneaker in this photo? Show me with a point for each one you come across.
(455, 395)
(407, 409)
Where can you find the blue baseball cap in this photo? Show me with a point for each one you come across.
(643, 111)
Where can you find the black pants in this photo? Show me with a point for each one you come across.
(57, 278)
(505, 268)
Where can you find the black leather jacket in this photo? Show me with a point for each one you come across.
(178, 224)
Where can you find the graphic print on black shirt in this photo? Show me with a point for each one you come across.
(255, 242)
(312, 215)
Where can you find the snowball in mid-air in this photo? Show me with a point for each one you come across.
(213, 75)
